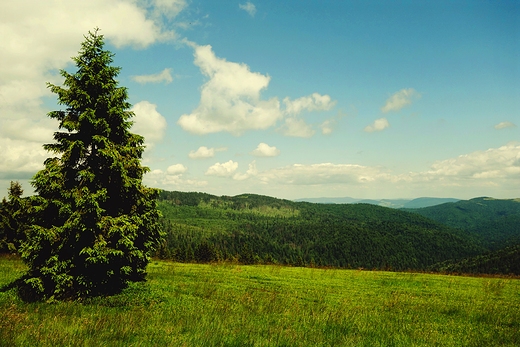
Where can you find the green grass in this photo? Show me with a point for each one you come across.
(235, 305)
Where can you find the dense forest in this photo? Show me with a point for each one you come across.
(480, 235)
(493, 223)
(258, 229)
(505, 261)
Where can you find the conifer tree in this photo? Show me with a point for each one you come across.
(95, 223)
(12, 219)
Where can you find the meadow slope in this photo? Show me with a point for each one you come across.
(235, 305)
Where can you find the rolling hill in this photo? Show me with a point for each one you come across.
(258, 229)
(494, 222)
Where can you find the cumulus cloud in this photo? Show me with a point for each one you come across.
(249, 7)
(494, 163)
(222, 170)
(176, 169)
(483, 172)
(24, 129)
(323, 173)
(205, 152)
(202, 152)
(231, 101)
(264, 150)
(314, 102)
(38, 38)
(173, 178)
(251, 171)
(504, 125)
(378, 125)
(163, 76)
(326, 126)
(148, 122)
(18, 157)
(400, 99)
(492, 170)
(168, 8)
(296, 127)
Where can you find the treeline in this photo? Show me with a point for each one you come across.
(481, 236)
(258, 229)
(502, 262)
(13, 219)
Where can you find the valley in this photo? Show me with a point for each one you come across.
(255, 229)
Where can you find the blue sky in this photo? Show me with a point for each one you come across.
(292, 99)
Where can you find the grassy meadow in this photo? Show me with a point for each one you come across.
(267, 305)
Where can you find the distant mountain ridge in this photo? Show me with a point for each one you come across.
(392, 203)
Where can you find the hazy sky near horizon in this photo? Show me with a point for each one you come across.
(291, 99)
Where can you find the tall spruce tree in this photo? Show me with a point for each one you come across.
(95, 224)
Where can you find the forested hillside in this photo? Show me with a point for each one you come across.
(504, 261)
(252, 228)
(494, 222)
(476, 236)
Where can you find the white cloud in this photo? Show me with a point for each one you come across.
(163, 76)
(176, 169)
(230, 100)
(494, 163)
(490, 172)
(52, 31)
(202, 152)
(378, 125)
(252, 171)
(18, 157)
(39, 131)
(503, 125)
(324, 173)
(400, 99)
(264, 150)
(249, 7)
(314, 102)
(160, 179)
(326, 126)
(168, 8)
(38, 38)
(296, 127)
(205, 152)
(148, 122)
(222, 170)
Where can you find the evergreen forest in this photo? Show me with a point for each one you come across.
(248, 228)
(479, 236)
